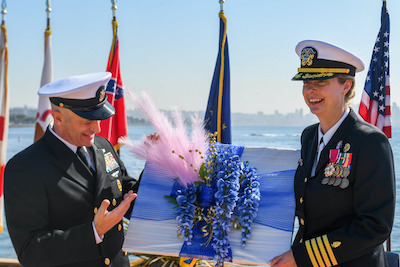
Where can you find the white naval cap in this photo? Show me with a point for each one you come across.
(320, 60)
(85, 95)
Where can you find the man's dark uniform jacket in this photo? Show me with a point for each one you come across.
(50, 201)
(345, 227)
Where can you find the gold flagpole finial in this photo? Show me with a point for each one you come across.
(221, 2)
(3, 11)
(114, 7)
(48, 10)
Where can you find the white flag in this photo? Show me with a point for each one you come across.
(43, 117)
(4, 112)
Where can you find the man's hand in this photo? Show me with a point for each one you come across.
(105, 220)
(284, 260)
(152, 139)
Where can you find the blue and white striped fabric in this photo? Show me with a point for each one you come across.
(153, 228)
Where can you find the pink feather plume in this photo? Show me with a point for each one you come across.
(180, 156)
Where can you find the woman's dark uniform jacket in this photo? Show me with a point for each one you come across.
(345, 227)
(50, 200)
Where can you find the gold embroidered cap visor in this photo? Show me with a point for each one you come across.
(85, 95)
(320, 60)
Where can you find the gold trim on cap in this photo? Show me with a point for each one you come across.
(61, 105)
(323, 70)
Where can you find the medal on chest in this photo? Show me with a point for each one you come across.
(111, 163)
(339, 166)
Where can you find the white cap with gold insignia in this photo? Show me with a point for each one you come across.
(320, 60)
(85, 95)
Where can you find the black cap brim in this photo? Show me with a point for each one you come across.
(104, 112)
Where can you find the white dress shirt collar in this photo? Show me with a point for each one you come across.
(74, 148)
(328, 135)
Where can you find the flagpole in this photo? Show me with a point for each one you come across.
(44, 118)
(221, 2)
(3, 11)
(48, 10)
(388, 241)
(114, 8)
(4, 108)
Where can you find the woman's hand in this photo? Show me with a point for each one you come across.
(284, 260)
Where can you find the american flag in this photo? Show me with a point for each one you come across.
(375, 100)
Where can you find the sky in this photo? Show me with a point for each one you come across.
(168, 48)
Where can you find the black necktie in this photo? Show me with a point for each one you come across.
(320, 148)
(83, 156)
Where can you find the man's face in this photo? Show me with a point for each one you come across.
(74, 129)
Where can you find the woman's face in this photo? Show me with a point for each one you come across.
(326, 98)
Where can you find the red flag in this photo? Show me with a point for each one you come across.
(375, 99)
(4, 112)
(116, 126)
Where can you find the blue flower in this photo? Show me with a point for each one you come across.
(185, 211)
(248, 203)
(234, 185)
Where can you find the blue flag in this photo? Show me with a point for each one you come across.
(218, 113)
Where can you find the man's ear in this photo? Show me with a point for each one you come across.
(57, 116)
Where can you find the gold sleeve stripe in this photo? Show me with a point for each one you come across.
(329, 249)
(323, 252)
(311, 254)
(316, 252)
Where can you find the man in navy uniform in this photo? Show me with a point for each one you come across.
(66, 194)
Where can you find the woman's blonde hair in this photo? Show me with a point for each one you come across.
(351, 93)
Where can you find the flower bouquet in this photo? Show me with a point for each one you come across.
(211, 191)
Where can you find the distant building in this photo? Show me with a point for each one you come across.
(27, 115)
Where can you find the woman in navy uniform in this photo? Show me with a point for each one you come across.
(345, 182)
(62, 208)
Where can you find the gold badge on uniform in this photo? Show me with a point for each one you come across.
(111, 163)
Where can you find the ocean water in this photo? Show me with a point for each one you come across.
(265, 136)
